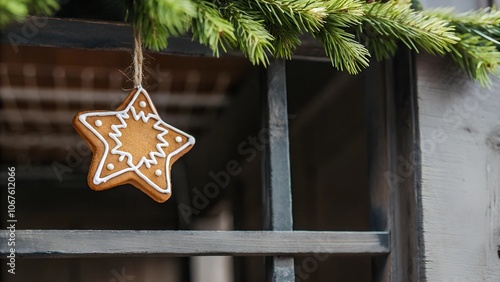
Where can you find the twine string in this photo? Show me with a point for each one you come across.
(138, 58)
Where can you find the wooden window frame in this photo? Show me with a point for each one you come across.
(392, 134)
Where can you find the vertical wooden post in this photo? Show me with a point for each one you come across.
(276, 167)
(394, 167)
(378, 129)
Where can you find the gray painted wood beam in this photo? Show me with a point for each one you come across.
(394, 166)
(276, 169)
(73, 33)
(93, 243)
(378, 128)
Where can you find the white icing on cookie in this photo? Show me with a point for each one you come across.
(142, 104)
(158, 172)
(115, 134)
(110, 167)
(178, 139)
(98, 123)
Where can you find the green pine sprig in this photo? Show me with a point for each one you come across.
(484, 22)
(387, 23)
(479, 57)
(340, 45)
(478, 51)
(16, 11)
(159, 19)
(211, 29)
(299, 15)
(286, 20)
(351, 31)
(253, 39)
(285, 41)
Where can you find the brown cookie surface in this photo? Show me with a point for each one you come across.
(132, 145)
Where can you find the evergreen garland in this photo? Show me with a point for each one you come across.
(340, 45)
(211, 29)
(18, 10)
(478, 50)
(394, 22)
(158, 20)
(350, 30)
(252, 37)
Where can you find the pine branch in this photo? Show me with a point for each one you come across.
(16, 11)
(285, 42)
(211, 29)
(43, 7)
(477, 56)
(344, 52)
(287, 20)
(382, 47)
(340, 46)
(345, 13)
(252, 37)
(478, 50)
(261, 27)
(299, 15)
(485, 22)
(159, 19)
(386, 22)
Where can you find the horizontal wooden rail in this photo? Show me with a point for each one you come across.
(92, 243)
(76, 33)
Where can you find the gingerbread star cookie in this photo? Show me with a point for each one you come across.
(132, 145)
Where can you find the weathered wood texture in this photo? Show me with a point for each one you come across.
(459, 128)
(328, 168)
(405, 195)
(393, 178)
(277, 192)
(92, 243)
(378, 129)
(460, 141)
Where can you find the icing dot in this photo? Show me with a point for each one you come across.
(178, 139)
(142, 104)
(158, 172)
(110, 166)
(98, 122)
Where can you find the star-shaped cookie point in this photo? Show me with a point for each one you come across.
(132, 145)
